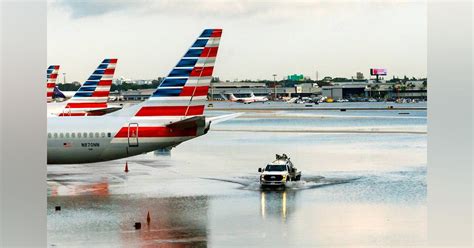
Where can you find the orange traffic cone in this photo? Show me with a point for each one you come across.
(126, 167)
(148, 219)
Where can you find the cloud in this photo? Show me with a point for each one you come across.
(234, 9)
(88, 8)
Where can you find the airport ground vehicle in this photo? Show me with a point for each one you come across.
(279, 172)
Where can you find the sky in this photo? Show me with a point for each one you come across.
(260, 38)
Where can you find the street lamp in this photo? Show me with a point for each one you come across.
(274, 87)
(64, 78)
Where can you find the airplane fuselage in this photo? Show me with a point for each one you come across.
(101, 138)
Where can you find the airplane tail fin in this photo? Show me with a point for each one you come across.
(183, 92)
(94, 93)
(232, 97)
(57, 93)
(51, 77)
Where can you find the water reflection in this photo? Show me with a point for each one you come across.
(163, 152)
(174, 222)
(91, 220)
(100, 188)
(277, 204)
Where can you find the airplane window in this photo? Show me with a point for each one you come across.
(61, 135)
(109, 135)
(79, 135)
(85, 135)
(67, 135)
(91, 135)
(97, 135)
(102, 135)
(55, 135)
(49, 135)
(73, 135)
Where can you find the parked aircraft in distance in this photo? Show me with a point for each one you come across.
(173, 114)
(92, 96)
(51, 77)
(252, 98)
(64, 95)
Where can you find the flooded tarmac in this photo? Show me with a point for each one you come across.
(357, 189)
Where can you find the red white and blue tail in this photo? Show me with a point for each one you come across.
(94, 93)
(174, 112)
(51, 77)
(183, 92)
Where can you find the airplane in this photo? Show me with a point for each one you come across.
(92, 96)
(51, 77)
(250, 99)
(64, 95)
(173, 114)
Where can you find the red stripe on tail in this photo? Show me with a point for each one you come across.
(87, 105)
(202, 71)
(189, 90)
(109, 71)
(209, 52)
(105, 83)
(216, 33)
(100, 93)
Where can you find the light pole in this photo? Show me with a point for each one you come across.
(64, 78)
(274, 87)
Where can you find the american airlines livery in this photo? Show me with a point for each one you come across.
(51, 77)
(92, 96)
(173, 114)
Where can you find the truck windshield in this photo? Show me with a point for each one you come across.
(275, 168)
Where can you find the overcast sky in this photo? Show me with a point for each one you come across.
(260, 38)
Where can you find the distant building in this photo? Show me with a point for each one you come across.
(137, 95)
(344, 91)
(122, 80)
(359, 76)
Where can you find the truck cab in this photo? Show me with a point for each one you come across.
(279, 172)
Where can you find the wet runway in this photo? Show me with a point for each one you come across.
(357, 189)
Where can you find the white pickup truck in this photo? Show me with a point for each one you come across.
(279, 172)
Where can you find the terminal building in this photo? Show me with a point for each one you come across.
(338, 90)
(415, 89)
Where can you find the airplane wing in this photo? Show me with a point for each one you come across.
(222, 118)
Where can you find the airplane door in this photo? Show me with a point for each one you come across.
(133, 134)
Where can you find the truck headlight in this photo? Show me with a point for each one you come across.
(283, 178)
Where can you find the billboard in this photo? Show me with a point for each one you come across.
(296, 77)
(379, 72)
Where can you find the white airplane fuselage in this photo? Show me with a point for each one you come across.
(250, 99)
(90, 139)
